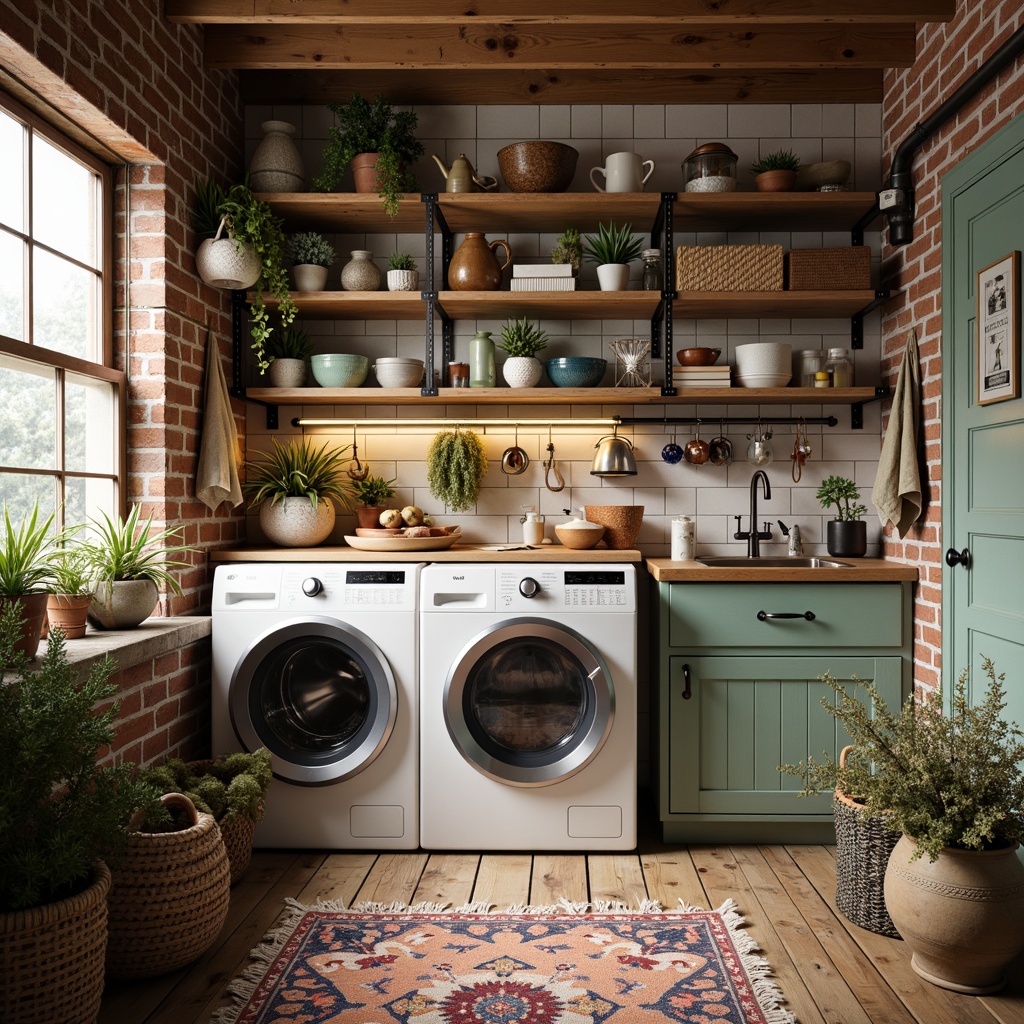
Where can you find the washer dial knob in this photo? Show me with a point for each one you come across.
(529, 587)
(312, 586)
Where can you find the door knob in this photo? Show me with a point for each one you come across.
(955, 558)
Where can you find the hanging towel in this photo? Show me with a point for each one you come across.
(217, 471)
(897, 493)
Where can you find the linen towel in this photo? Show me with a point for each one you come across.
(897, 492)
(217, 470)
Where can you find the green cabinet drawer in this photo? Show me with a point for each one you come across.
(841, 615)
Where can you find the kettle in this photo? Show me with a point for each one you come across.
(614, 457)
(461, 177)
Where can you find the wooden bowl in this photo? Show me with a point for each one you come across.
(537, 165)
(698, 356)
(579, 538)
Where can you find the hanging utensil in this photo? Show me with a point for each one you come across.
(550, 467)
(759, 451)
(801, 451)
(357, 471)
(720, 448)
(514, 460)
(672, 453)
(696, 451)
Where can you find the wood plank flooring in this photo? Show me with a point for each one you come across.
(830, 971)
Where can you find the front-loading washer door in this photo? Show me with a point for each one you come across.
(319, 695)
(529, 702)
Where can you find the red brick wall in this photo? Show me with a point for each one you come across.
(947, 55)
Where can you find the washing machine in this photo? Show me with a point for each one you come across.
(528, 706)
(317, 662)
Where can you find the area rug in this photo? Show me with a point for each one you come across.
(566, 964)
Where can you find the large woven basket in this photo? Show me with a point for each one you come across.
(863, 846)
(621, 523)
(729, 268)
(840, 269)
(169, 897)
(52, 958)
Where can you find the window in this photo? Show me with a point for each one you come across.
(61, 402)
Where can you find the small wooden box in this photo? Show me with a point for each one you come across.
(846, 269)
(729, 268)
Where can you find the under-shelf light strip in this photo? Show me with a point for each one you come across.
(400, 422)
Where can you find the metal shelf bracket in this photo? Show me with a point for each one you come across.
(857, 409)
(857, 320)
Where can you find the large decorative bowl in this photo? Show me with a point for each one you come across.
(395, 372)
(537, 165)
(339, 369)
(764, 364)
(698, 356)
(576, 371)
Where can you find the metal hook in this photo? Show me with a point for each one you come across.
(357, 471)
(549, 467)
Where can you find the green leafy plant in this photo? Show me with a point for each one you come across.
(373, 491)
(59, 811)
(127, 549)
(780, 160)
(568, 249)
(612, 244)
(310, 247)
(290, 343)
(26, 554)
(522, 338)
(949, 779)
(296, 470)
(365, 127)
(401, 261)
(456, 463)
(71, 571)
(206, 215)
(841, 491)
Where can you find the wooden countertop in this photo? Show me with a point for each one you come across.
(456, 553)
(860, 570)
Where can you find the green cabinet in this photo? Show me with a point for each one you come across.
(739, 694)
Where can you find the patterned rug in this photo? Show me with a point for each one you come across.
(565, 964)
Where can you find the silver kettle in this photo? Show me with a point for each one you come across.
(614, 457)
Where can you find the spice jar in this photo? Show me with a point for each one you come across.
(710, 168)
(652, 270)
(821, 379)
(809, 362)
(458, 375)
(839, 368)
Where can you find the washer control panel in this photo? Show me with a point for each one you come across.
(553, 588)
(328, 587)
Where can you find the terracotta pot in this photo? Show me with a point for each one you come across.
(368, 516)
(776, 181)
(962, 914)
(475, 267)
(69, 612)
(33, 613)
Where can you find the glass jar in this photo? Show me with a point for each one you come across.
(710, 168)
(839, 368)
(821, 379)
(652, 270)
(809, 362)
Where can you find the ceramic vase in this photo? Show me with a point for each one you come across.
(360, 274)
(309, 277)
(475, 266)
(482, 371)
(522, 371)
(403, 280)
(287, 373)
(613, 277)
(276, 165)
(294, 523)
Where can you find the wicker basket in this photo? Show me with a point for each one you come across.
(729, 268)
(621, 523)
(52, 958)
(847, 269)
(863, 846)
(169, 897)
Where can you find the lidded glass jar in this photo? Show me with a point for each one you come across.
(710, 168)
(839, 368)
(809, 362)
(652, 270)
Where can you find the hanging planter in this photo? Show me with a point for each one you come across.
(224, 262)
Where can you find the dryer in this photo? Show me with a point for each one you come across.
(317, 662)
(528, 707)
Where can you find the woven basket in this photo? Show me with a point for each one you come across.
(621, 523)
(846, 269)
(863, 846)
(169, 897)
(52, 958)
(729, 268)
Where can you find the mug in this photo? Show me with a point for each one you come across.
(623, 172)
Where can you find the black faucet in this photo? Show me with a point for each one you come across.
(753, 537)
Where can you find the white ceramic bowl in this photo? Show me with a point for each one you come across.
(392, 372)
(759, 358)
(763, 380)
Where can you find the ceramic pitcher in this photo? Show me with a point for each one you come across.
(475, 266)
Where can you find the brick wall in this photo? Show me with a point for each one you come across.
(947, 55)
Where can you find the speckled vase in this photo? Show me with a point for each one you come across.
(277, 166)
(293, 523)
(360, 274)
(287, 373)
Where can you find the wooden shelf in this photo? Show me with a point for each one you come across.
(586, 305)
(350, 212)
(752, 305)
(356, 305)
(550, 212)
(770, 211)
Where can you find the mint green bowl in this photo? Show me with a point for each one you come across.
(340, 370)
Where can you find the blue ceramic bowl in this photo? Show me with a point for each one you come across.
(339, 370)
(576, 371)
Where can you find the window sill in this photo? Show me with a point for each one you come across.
(130, 647)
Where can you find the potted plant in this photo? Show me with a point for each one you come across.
(371, 494)
(951, 781)
(776, 172)
(294, 486)
(612, 249)
(288, 349)
(26, 558)
(522, 340)
(847, 534)
(62, 816)
(568, 249)
(69, 589)
(456, 463)
(130, 563)
(378, 142)
(402, 273)
(311, 255)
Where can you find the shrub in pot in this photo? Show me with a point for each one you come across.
(776, 172)
(289, 348)
(847, 534)
(612, 249)
(311, 255)
(371, 494)
(26, 558)
(522, 341)
(402, 273)
(569, 249)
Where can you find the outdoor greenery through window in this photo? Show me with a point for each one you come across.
(61, 419)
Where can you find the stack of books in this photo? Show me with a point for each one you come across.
(547, 277)
(702, 376)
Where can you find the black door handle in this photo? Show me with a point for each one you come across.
(763, 616)
(687, 692)
(955, 558)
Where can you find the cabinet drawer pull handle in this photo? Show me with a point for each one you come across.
(763, 616)
(687, 692)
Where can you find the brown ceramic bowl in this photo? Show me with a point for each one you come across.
(537, 166)
(698, 356)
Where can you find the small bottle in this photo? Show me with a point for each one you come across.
(821, 379)
(683, 539)
(796, 546)
(839, 368)
(652, 270)
(482, 371)
(533, 527)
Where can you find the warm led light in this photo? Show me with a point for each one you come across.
(448, 421)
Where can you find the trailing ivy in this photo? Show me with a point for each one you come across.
(456, 463)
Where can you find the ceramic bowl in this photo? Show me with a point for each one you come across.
(398, 373)
(764, 357)
(763, 380)
(580, 538)
(576, 371)
(537, 165)
(698, 356)
(339, 370)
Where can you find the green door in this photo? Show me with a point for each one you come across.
(983, 445)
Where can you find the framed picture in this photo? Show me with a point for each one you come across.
(999, 330)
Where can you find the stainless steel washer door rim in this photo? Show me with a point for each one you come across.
(528, 702)
(319, 694)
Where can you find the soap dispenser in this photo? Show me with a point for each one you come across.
(533, 526)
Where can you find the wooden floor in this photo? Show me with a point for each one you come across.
(830, 971)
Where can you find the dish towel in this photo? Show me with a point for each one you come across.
(897, 492)
(217, 471)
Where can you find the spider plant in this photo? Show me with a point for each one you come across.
(26, 554)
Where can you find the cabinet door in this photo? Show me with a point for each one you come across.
(746, 716)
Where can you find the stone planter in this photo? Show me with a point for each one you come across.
(309, 277)
(403, 280)
(522, 371)
(293, 523)
(287, 373)
(122, 604)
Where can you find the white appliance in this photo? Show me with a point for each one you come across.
(528, 707)
(317, 662)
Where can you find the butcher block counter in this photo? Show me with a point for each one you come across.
(456, 553)
(858, 570)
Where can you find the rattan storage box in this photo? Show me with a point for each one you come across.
(847, 269)
(729, 268)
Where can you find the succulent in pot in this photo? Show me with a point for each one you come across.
(612, 249)
(847, 535)
(311, 255)
(776, 171)
(402, 273)
(522, 340)
(26, 558)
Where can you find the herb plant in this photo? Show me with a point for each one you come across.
(290, 343)
(568, 249)
(612, 245)
(780, 160)
(456, 463)
(310, 247)
(521, 338)
(373, 491)
(25, 554)
(401, 261)
(841, 491)
(296, 470)
(71, 571)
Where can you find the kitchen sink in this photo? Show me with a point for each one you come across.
(789, 562)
